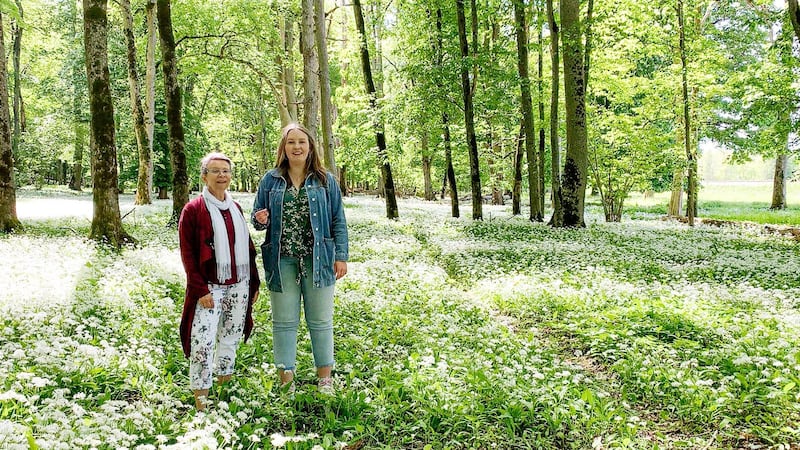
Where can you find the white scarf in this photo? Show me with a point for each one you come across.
(241, 249)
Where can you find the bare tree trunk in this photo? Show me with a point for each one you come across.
(287, 107)
(19, 111)
(78, 122)
(557, 220)
(150, 88)
(527, 110)
(691, 202)
(383, 159)
(426, 167)
(325, 87)
(142, 189)
(8, 193)
(794, 16)
(180, 178)
(310, 70)
(540, 86)
(516, 193)
(449, 174)
(106, 220)
(779, 182)
(469, 119)
(676, 199)
(573, 183)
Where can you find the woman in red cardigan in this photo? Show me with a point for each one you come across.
(221, 279)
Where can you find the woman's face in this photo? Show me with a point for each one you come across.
(217, 176)
(297, 147)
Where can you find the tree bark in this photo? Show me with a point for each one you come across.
(426, 167)
(310, 70)
(78, 122)
(326, 111)
(676, 199)
(106, 220)
(145, 159)
(779, 182)
(527, 110)
(8, 193)
(449, 174)
(19, 111)
(287, 107)
(469, 119)
(150, 88)
(540, 87)
(516, 193)
(794, 16)
(557, 220)
(169, 65)
(691, 201)
(573, 183)
(383, 159)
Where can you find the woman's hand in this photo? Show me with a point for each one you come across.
(207, 301)
(262, 216)
(340, 269)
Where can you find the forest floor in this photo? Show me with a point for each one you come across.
(450, 333)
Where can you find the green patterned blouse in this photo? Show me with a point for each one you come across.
(297, 238)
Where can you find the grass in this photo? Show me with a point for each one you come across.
(450, 334)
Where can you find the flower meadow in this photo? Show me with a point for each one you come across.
(449, 334)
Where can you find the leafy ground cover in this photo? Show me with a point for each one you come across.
(449, 334)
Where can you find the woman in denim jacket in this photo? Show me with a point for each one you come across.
(305, 251)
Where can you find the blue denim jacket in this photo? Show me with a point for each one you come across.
(327, 222)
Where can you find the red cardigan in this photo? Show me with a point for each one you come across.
(196, 236)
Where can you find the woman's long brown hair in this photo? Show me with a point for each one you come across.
(313, 161)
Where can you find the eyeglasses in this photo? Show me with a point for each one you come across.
(217, 172)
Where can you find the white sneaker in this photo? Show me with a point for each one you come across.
(325, 385)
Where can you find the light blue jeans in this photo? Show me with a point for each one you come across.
(318, 309)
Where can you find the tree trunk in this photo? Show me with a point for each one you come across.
(18, 114)
(449, 172)
(779, 182)
(527, 110)
(516, 193)
(426, 167)
(691, 202)
(326, 112)
(794, 16)
(150, 88)
(573, 183)
(310, 70)
(106, 221)
(676, 199)
(469, 119)
(8, 193)
(557, 220)
(540, 87)
(78, 122)
(383, 159)
(169, 65)
(145, 160)
(287, 107)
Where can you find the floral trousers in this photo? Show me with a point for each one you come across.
(216, 333)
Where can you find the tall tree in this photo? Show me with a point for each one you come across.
(469, 114)
(150, 86)
(169, 65)
(557, 219)
(287, 104)
(8, 194)
(540, 19)
(449, 171)
(526, 106)
(311, 100)
(78, 116)
(140, 130)
(691, 157)
(573, 184)
(383, 158)
(18, 105)
(106, 220)
(326, 107)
